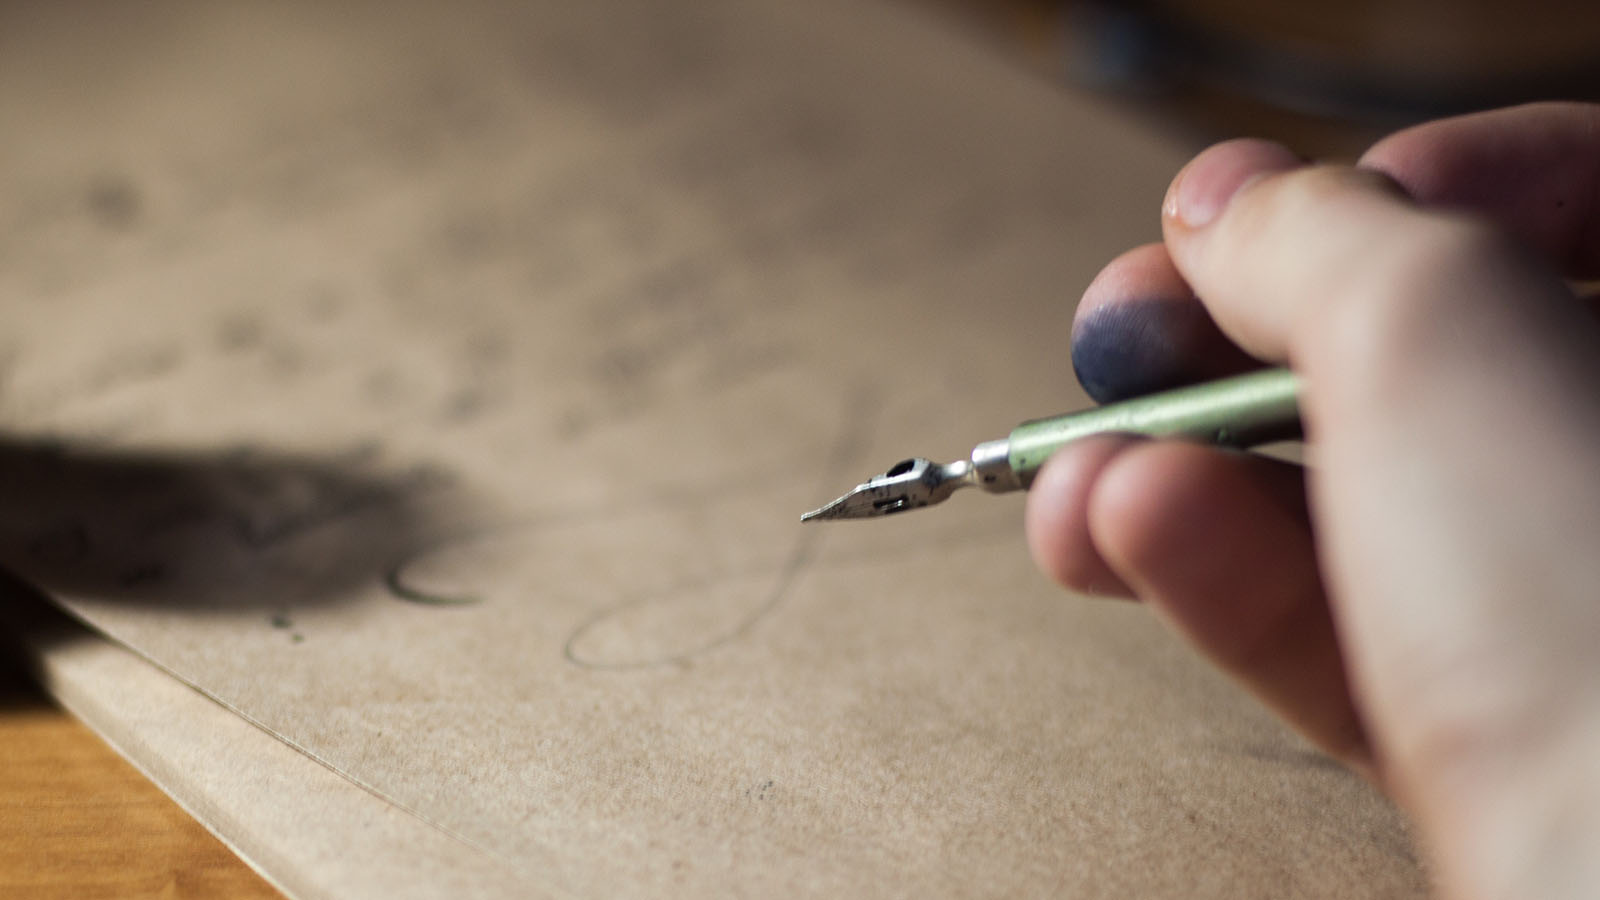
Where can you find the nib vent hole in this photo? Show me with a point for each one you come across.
(901, 467)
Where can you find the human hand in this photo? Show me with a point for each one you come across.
(1423, 600)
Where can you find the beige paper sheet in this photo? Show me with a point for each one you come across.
(311, 832)
(438, 387)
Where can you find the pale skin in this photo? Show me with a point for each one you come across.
(1423, 601)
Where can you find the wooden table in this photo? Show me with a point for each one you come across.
(77, 822)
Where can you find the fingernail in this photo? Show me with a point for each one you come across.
(1204, 187)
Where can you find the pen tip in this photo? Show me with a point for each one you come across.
(831, 510)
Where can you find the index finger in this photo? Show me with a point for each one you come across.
(1533, 169)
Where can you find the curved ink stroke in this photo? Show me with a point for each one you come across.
(844, 454)
(794, 564)
(394, 580)
(402, 586)
(397, 581)
(788, 574)
(787, 577)
(967, 532)
(394, 577)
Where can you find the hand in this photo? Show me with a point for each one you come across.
(1424, 599)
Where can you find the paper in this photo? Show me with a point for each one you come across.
(439, 388)
(310, 832)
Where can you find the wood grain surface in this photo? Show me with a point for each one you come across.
(77, 822)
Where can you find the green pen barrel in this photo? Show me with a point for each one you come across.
(1242, 411)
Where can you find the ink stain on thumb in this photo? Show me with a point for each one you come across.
(1136, 347)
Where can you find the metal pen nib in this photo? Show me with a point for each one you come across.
(1242, 411)
(915, 483)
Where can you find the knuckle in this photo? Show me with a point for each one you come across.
(1395, 299)
(1312, 193)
